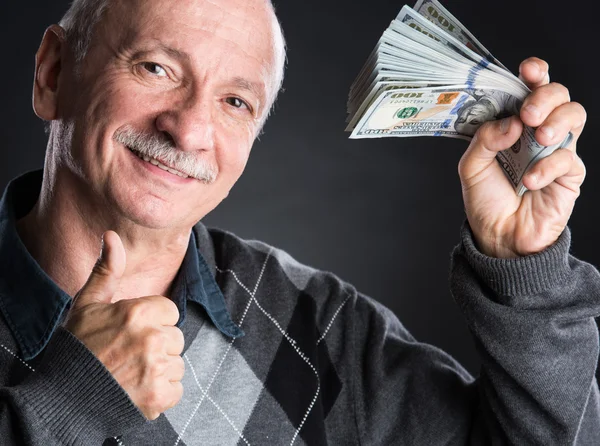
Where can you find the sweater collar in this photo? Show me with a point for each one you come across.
(33, 305)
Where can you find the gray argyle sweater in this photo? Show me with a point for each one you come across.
(297, 356)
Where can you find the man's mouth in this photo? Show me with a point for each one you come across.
(157, 163)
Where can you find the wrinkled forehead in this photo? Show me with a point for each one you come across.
(248, 26)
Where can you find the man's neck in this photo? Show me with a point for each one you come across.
(63, 234)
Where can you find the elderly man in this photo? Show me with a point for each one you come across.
(153, 107)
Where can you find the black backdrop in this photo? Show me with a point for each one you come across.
(382, 214)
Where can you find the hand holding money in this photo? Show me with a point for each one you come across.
(429, 76)
(506, 225)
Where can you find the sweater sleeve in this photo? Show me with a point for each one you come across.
(533, 323)
(70, 399)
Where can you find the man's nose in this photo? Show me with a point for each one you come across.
(189, 123)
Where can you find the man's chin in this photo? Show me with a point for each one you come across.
(153, 220)
(150, 213)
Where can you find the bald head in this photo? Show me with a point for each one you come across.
(81, 20)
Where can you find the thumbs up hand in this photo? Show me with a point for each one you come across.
(135, 339)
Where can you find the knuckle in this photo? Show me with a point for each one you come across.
(153, 342)
(560, 89)
(580, 164)
(135, 312)
(177, 393)
(179, 340)
(165, 308)
(99, 269)
(179, 366)
(570, 156)
(172, 309)
(158, 366)
(537, 60)
(565, 163)
(564, 159)
(542, 63)
(581, 111)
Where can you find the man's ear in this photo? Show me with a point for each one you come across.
(48, 62)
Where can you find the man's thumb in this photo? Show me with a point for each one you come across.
(106, 274)
(491, 138)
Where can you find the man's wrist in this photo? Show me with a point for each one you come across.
(498, 247)
(521, 275)
(494, 248)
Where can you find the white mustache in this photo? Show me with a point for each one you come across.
(164, 151)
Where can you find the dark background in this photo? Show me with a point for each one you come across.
(382, 214)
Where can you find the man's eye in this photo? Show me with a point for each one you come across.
(237, 102)
(155, 69)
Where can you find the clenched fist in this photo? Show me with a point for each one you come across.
(505, 225)
(135, 339)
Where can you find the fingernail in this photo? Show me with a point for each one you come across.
(533, 110)
(505, 125)
(548, 131)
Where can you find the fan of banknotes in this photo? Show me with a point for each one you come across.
(429, 76)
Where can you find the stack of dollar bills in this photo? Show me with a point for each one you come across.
(429, 76)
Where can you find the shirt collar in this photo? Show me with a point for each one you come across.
(33, 304)
(195, 282)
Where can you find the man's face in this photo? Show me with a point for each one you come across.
(472, 117)
(194, 73)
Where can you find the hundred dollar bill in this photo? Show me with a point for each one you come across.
(435, 12)
(429, 76)
(454, 111)
(517, 160)
(457, 110)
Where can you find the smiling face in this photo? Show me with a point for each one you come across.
(193, 79)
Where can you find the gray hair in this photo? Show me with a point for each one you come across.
(79, 23)
(83, 16)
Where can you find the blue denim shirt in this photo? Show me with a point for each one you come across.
(33, 305)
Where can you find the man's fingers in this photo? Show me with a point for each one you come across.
(558, 166)
(176, 369)
(162, 307)
(175, 340)
(176, 393)
(495, 136)
(491, 138)
(534, 72)
(566, 118)
(539, 104)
